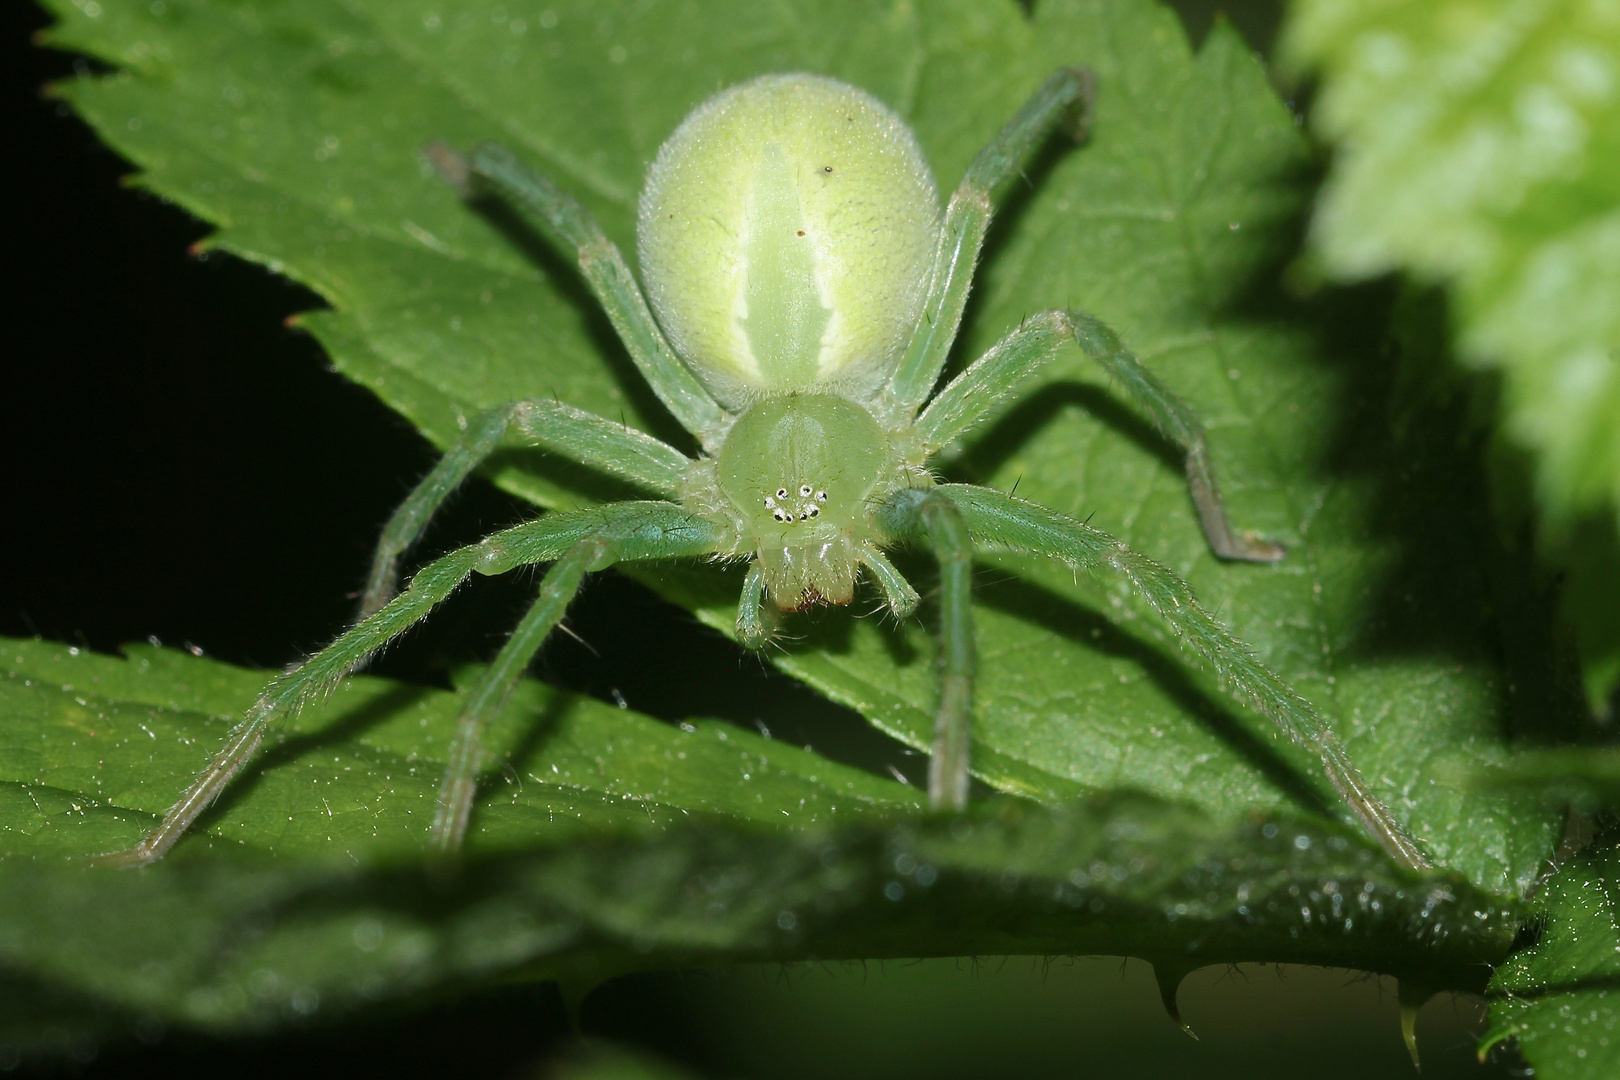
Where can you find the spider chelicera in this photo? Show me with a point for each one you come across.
(807, 290)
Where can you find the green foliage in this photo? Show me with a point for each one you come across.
(94, 748)
(1557, 997)
(296, 127)
(613, 844)
(1479, 145)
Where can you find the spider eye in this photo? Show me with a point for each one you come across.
(821, 496)
(781, 493)
(804, 491)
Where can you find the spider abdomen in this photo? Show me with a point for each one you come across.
(799, 471)
(786, 234)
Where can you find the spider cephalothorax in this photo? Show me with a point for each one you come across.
(807, 289)
(801, 475)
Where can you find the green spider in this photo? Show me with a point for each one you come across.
(807, 290)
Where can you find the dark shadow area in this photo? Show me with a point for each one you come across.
(1034, 1017)
(563, 274)
(1007, 433)
(566, 473)
(534, 737)
(1590, 557)
(627, 645)
(495, 1033)
(290, 749)
(1257, 20)
(1463, 583)
(1165, 667)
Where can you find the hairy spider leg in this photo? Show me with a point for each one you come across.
(995, 375)
(294, 689)
(574, 433)
(460, 783)
(901, 598)
(753, 623)
(633, 530)
(1173, 418)
(628, 532)
(1001, 520)
(929, 515)
(1063, 99)
(565, 222)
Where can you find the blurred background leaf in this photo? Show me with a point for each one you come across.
(1477, 144)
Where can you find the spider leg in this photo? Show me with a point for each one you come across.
(1004, 521)
(460, 784)
(1064, 96)
(752, 632)
(576, 434)
(636, 530)
(623, 532)
(973, 393)
(901, 597)
(931, 515)
(292, 690)
(570, 225)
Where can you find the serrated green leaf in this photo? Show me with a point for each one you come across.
(1561, 998)
(650, 859)
(95, 748)
(1479, 146)
(297, 127)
